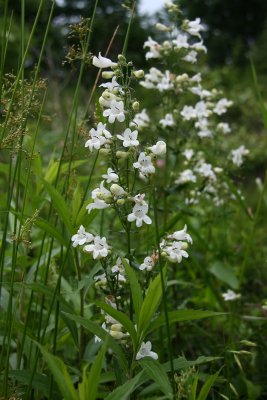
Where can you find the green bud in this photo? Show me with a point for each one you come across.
(122, 155)
(136, 106)
(121, 58)
(121, 202)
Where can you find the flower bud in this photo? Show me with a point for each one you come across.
(107, 74)
(159, 148)
(122, 154)
(116, 335)
(121, 202)
(182, 78)
(116, 327)
(105, 152)
(163, 28)
(184, 246)
(117, 190)
(139, 73)
(121, 58)
(135, 106)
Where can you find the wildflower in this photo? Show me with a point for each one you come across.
(221, 106)
(191, 57)
(99, 137)
(165, 83)
(99, 248)
(238, 154)
(119, 270)
(144, 164)
(141, 120)
(100, 196)
(139, 214)
(181, 235)
(167, 121)
(176, 252)
(159, 148)
(181, 42)
(129, 138)
(101, 280)
(188, 154)
(148, 264)
(230, 295)
(194, 27)
(163, 28)
(224, 127)
(188, 112)
(145, 351)
(205, 170)
(116, 111)
(117, 190)
(113, 85)
(81, 237)
(154, 48)
(110, 176)
(102, 62)
(186, 176)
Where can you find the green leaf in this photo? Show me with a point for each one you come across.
(179, 316)
(182, 363)
(225, 274)
(59, 204)
(89, 385)
(39, 382)
(207, 386)
(150, 305)
(121, 318)
(157, 373)
(61, 375)
(51, 170)
(51, 230)
(102, 334)
(193, 394)
(136, 291)
(123, 391)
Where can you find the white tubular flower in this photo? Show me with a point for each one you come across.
(144, 164)
(148, 264)
(141, 120)
(199, 91)
(97, 339)
(103, 62)
(139, 215)
(159, 148)
(176, 252)
(181, 235)
(205, 170)
(167, 121)
(100, 280)
(188, 154)
(194, 27)
(129, 138)
(224, 127)
(113, 85)
(165, 83)
(186, 176)
(154, 48)
(188, 112)
(145, 351)
(81, 237)
(181, 42)
(99, 137)
(116, 111)
(191, 57)
(99, 248)
(221, 106)
(99, 195)
(119, 270)
(230, 295)
(238, 154)
(201, 110)
(110, 176)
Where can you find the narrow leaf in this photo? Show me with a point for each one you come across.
(136, 291)
(157, 373)
(207, 386)
(122, 392)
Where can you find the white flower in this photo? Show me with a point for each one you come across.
(221, 106)
(154, 48)
(201, 109)
(165, 83)
(110, 176)
(99, 195)
(188, 153)
(176, 252)
(99, 248)
(141, 120)
(224, 127)
(186, 176)
(238, 154)
(159, 148)
(119, 270)
(230, 295)
(191, 57)
(167, 121)
(199, 46)
(205, 170)
(117, 190)
(102, 62)
(139, 215)
(81, 237)
(113, 85)
(148, 264)
(129, 138)
(194, 27)
(181, 42)
(181, 235)
(188, 112)
(144, 164)
(116, 111)
(145, 351)
(99, 137)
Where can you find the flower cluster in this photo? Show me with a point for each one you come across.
(175, 245)
(97, 246)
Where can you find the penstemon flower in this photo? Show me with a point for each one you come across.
(129, 138)
(116, 111)
(144, 164)
(145, 351)
(81, 237)
(102, 62)
(99, 247)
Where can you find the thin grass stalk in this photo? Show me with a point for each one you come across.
(164, 298)
(4, 42)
